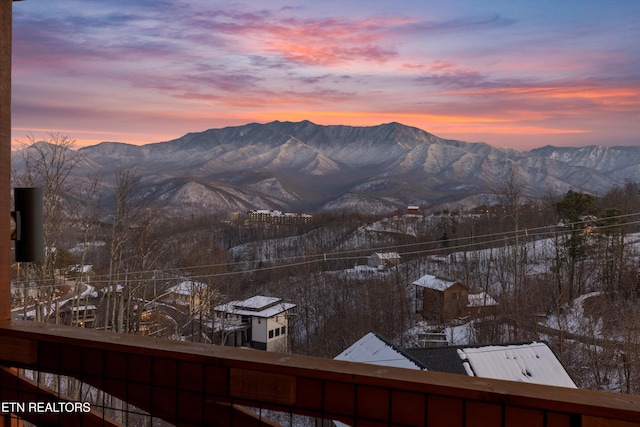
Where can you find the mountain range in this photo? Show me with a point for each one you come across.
(302, 166)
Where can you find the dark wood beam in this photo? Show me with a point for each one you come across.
(16, 388)
(5, 157)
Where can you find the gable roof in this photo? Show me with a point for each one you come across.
(439, 359)
(531, 362)
(375, 350)
(437, 283)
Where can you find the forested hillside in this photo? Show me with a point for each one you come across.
(564, 270)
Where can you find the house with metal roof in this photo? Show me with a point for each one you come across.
(529, 362)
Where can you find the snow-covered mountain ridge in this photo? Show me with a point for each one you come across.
(304, 166)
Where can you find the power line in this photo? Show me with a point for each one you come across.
(296, 261)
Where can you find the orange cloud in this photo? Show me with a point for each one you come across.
(429, 122)
(329, 54)
(605, 95)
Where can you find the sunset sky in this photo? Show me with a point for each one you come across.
(512, 73)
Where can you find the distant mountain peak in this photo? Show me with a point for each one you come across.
(303, 165)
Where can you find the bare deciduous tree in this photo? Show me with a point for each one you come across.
(125, 215)
(509, 196)
(48, 164)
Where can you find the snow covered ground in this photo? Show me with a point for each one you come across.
(573, 318)
(86, 290)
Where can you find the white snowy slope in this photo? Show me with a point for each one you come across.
(338, 167)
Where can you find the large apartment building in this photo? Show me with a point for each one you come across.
(278, 217)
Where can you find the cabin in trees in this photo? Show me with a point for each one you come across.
(77, 312)
(413, 210)
(194, 295)
(481, 305)
(442, 300)
(259, 322)
(383, 259)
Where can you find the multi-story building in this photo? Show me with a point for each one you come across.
(260, 322)
(278, 217)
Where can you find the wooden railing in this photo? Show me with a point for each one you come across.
(197, 384)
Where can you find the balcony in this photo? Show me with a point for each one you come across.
(189, 384)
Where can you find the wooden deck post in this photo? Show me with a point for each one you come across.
(5, 157)
(5, 168)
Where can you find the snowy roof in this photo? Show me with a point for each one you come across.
(266, 211)
(433, 282)
(108, 289)
(387, 255)
(530, 363)
(257, 303)
(187, 287)
(84, 307)
(81, 268)
(295, 214)
(258, 306)
(375, 350)
(276, 213)
(481, 299)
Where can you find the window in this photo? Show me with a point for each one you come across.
(271, 333)
(278, 332)
(283, 330)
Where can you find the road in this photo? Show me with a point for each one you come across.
(85, 289)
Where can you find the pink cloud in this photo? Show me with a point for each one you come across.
(471, 73)
(323, 41)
